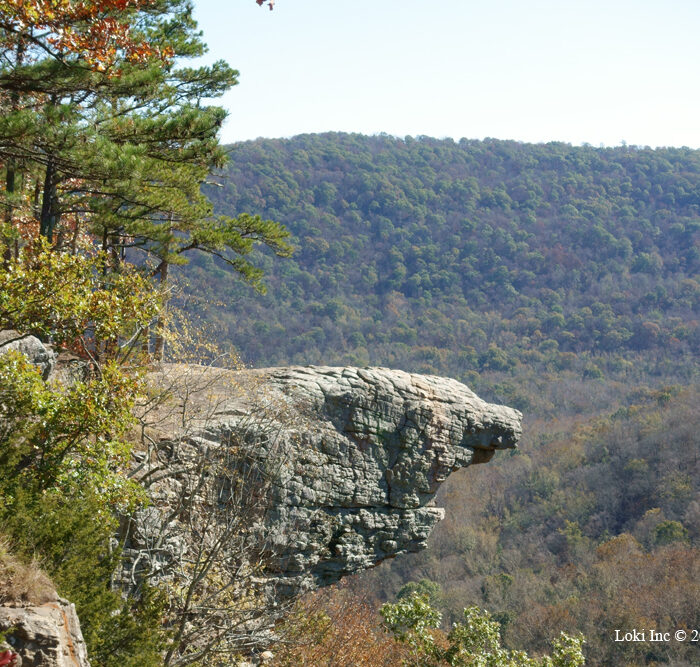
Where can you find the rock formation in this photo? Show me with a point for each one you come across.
(266, 483)
(39, 354)
(352, 457)
(44, 634)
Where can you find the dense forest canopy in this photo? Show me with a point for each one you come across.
(447, 257)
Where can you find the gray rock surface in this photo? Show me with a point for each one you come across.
(354, 457)
(39, 354)
(48, 635)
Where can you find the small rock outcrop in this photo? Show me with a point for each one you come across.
(357, 457)
(47, 634)
(39, 354)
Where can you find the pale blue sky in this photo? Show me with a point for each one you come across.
(593, 71)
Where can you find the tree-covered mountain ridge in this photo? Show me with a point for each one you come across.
(467, 257)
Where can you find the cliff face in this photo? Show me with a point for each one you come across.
(352, 459)
(344, 462)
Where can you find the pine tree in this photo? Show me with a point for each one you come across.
(117, 140)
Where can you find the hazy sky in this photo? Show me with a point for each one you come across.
(595, 71)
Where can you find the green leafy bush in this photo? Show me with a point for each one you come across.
(476, 641)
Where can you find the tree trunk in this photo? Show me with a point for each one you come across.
(47, 219)
(146, 341)
(10, 168)
(9, 189)
(159, 344)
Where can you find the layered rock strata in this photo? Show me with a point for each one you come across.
(278, 481)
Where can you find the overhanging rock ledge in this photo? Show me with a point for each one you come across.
(359, 455)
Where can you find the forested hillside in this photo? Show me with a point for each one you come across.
(561, 280)
(455, 257)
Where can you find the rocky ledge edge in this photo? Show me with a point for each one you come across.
(358, 455)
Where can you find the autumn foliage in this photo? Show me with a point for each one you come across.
(105, 141)
(98, 32)
(336, 628)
